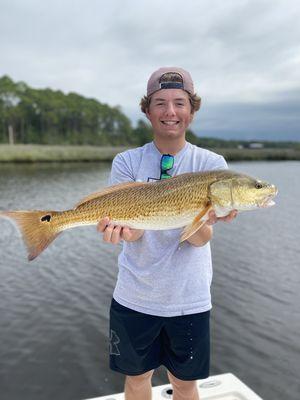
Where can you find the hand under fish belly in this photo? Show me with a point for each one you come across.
(182, 201)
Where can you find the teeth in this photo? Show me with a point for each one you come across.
(268, 202)
(170, 122)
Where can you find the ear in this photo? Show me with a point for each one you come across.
(147, 113)
(192, 116)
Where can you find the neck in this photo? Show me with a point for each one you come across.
(169, 147)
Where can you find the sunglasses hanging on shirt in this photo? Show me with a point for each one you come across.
(166, 163)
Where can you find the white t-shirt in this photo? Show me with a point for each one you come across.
(158, 276)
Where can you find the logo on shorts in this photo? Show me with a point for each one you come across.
(114, 340)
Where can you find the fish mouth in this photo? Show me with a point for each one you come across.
(268, 201)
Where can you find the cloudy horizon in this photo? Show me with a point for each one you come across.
(243, 56)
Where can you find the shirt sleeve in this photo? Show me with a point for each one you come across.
(120, 170)
(220, 163)
(216, 162)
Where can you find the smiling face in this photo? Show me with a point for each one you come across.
(170, 113)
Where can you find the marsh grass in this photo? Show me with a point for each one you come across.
(44, 153)
(29, 153)
(272, 154)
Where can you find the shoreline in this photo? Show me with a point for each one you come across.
(32, 153)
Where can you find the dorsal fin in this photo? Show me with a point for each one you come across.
(109, 189)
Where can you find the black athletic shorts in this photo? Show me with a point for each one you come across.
(141, 342)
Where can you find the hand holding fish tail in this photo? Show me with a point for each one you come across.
(115, 233)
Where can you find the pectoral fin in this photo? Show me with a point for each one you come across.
(198, 222)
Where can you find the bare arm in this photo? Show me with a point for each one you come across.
(115, 233)
(204, 235)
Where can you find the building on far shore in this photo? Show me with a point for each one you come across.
(256, 145)
(253, 145)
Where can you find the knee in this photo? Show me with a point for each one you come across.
(138, 381)
(186, 388)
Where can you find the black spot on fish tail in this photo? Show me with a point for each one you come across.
(46, 218)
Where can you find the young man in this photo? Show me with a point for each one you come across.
(161, 304)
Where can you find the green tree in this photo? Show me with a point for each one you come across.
(52, 117)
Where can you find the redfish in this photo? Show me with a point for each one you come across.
(182, 201)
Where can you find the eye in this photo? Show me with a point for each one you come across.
(258, 185)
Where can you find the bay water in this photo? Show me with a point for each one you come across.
(54, 310)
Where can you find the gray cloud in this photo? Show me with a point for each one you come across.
(243, 55)
(278, 119)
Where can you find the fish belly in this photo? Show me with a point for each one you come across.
(159, 222)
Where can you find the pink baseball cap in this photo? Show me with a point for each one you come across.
(155, 84)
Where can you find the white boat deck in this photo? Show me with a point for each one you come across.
(218, 387)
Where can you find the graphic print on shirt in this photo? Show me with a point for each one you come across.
(114, 340)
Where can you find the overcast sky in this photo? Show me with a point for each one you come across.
(244, 56)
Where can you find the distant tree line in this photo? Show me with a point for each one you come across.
(45, 116)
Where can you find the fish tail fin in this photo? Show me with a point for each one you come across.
(36, 228)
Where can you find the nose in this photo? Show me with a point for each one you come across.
(170, 110)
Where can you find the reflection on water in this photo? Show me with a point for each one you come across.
(54, 310)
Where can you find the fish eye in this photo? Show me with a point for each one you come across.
(258, 185)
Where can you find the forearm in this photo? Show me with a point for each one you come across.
(202, 236)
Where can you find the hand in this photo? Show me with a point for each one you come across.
(213, 218)
(115, 233)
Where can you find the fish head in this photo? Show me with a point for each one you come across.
(249, 193)
(242, 192)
